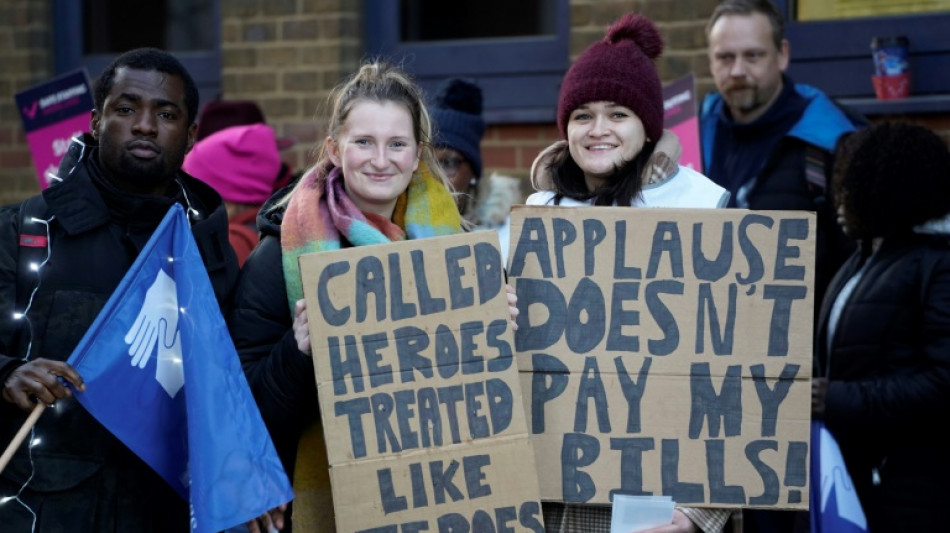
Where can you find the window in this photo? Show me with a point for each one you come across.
(809, 10)
(516, 51)
(835, 53)
(187, 28)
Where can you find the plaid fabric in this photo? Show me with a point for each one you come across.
(583, 518)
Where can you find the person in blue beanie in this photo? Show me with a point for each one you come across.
(457, 114)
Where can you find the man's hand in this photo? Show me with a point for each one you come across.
(38, 380)
(268, 522)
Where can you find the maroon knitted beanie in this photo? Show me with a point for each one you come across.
(618, 69)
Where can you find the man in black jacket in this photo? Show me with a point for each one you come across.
(72, 474)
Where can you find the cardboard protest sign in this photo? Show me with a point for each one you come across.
(418, 387)
(666, 352)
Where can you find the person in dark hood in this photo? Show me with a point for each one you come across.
(117, 183)
(882, 358)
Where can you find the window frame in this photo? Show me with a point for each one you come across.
(835, 55)
(204, 66)
(520, 77)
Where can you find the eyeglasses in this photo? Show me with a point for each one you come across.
(450, 164)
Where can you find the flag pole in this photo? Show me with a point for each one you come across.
(20, 435)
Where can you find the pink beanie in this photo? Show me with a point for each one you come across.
(241, 163)
(619, 68)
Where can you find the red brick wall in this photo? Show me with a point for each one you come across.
(288, 54)
(25, 60)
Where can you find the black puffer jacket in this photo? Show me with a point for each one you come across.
(281, 376)
(95, 236)
(889, 380)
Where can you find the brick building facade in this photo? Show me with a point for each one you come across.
(288, 54)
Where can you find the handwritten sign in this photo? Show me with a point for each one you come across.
(419, 391)
(666, 352)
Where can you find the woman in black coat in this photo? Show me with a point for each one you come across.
(883, 337)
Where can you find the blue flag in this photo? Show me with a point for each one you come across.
(835, 507)
(162, 374)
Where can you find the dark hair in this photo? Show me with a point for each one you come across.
(890, 177)
(148, 59)
(750, 7)
(620, 188)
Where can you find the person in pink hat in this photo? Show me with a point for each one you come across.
(242, 163)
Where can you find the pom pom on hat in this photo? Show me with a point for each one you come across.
(241, 163)
(619, 68)
(457, 115)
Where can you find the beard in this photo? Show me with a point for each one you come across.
(150, 173)
(744, 100)
(743, 97)
(128, 171)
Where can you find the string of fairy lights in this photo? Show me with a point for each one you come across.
(23, 315)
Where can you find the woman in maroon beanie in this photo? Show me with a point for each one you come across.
(616, 153)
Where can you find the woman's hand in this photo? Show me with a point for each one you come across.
(302, 327)
(512, 306)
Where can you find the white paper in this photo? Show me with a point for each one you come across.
(636, 513)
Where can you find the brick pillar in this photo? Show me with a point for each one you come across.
(26, 59)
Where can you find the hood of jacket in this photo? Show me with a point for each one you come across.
(271, 215)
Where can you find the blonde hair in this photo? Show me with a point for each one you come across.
(379, 82)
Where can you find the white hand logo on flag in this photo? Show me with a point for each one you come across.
(157, 326)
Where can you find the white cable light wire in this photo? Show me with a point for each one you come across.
(24, 315)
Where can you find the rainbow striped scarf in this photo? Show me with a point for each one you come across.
(320, 215)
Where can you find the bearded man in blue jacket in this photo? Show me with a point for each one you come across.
(765, 138)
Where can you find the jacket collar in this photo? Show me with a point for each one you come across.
(76, 204)
(79, 204)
